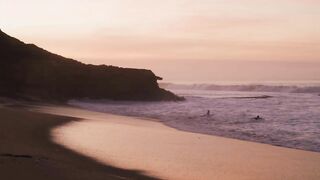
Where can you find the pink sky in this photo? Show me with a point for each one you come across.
(161, 34)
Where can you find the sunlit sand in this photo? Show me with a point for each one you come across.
(167, 153)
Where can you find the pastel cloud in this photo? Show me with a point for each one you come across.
(182, 29)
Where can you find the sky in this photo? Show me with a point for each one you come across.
(180, 40)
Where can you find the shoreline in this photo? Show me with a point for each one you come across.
(168, 153)
(152, 147)
(28, 152)
(187, 129)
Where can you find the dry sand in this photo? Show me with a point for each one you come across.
(167, 153)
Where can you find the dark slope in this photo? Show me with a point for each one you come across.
(27, 71)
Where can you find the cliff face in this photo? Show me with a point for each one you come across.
(31, 72)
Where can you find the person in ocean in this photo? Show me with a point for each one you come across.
(208, 113)
(258, 118)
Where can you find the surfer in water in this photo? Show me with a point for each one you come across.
(257, 118)
(208, 113)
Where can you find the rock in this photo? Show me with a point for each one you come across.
(27, 71)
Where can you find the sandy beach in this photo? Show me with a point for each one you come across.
(151, 89)
(164, 152)
(27, 151)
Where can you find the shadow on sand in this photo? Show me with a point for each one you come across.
(26, 151)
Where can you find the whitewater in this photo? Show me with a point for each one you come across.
(290, 114)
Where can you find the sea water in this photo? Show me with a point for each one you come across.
(290, 114)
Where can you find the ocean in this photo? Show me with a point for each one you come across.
(289, 112)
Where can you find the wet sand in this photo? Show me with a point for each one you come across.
(168, 153)
(28, 153)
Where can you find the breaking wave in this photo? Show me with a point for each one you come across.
(246, 87)
(289, 114)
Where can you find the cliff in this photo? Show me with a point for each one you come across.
(27, 71)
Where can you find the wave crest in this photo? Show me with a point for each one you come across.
(248, 87)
